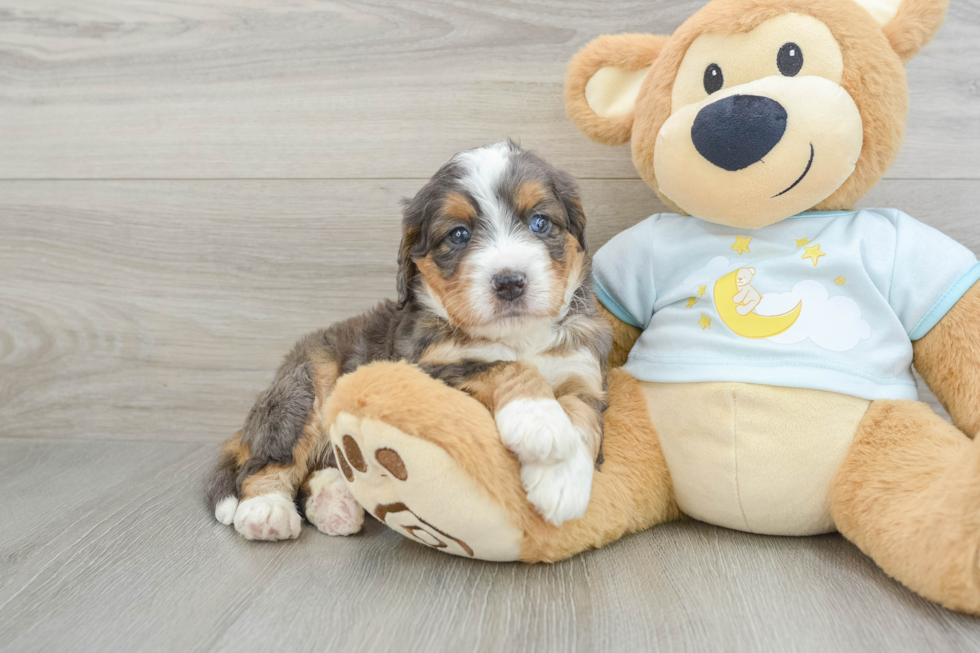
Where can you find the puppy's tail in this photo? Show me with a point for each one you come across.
(221, 482)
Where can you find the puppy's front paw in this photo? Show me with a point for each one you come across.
(537, 430)
(268, 517)
(331, 507)
(560, 491)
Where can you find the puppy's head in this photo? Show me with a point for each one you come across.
(495, 240)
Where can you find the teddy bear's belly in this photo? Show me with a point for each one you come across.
(753, 457)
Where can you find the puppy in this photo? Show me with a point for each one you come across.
(494, 298)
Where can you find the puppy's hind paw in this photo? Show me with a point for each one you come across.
(331, 507)
(560, 491)
(225, 509)
(268, 517)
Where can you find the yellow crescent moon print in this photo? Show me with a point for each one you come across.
(751, 325)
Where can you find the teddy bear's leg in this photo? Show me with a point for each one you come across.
(426, 460)
(908, 495)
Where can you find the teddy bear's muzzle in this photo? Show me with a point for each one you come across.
(737, 131)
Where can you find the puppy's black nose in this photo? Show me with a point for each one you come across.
(508, 285)
(736, 131)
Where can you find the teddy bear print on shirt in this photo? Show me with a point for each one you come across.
(747, 297)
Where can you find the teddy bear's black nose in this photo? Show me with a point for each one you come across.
(736, 131)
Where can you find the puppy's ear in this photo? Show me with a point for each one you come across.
(411, 241)
(908, 24)
(603, 81)
(407, 270)
(566, 188)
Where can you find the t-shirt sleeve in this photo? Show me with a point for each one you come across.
(623, 274)
(931, 272)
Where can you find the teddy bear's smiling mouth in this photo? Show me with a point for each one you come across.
(805, 171)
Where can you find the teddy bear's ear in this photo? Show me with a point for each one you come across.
(908, 24)
(603, 81)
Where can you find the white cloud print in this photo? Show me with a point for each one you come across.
(707, 275)
(833, 323)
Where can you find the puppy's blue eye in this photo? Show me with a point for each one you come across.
(459, 235)
(540, 224)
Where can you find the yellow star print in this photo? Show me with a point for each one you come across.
(800, 242)
(705, 322)
(840, 281)
(813, 253)
(701, 291)
(741, 244)
(691, 301)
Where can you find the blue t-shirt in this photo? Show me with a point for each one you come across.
(829, 300)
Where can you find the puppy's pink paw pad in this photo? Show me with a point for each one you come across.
(331, 507)
(337, 512)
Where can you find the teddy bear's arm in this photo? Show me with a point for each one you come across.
(624, 336)
(948, 358)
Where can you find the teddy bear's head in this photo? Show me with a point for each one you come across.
(755, 110)
(744, 276)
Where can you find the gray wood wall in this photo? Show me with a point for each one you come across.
(185, 188)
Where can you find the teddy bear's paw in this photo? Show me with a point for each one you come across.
(268, 517)
(560, 491)
(331, 507)
(537, 430)
(225, 509)
(417, 489)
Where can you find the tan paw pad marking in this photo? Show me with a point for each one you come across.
(344, 467)
(354, 455)
(422, 530)
(390, 460)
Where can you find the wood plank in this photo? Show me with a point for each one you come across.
(311, 89)
(119, 554)
(158, 310)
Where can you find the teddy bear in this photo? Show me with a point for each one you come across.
(747, 297)
(760, 124)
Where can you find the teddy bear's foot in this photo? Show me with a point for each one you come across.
(415, 487)
(908, 494)
(330, 506)
(426, 460)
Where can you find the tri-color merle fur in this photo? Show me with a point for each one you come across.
(406, 328)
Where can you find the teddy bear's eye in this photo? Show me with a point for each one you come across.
(790, 59)
(713, 79)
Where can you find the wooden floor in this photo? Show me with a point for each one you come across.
(187, 187)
